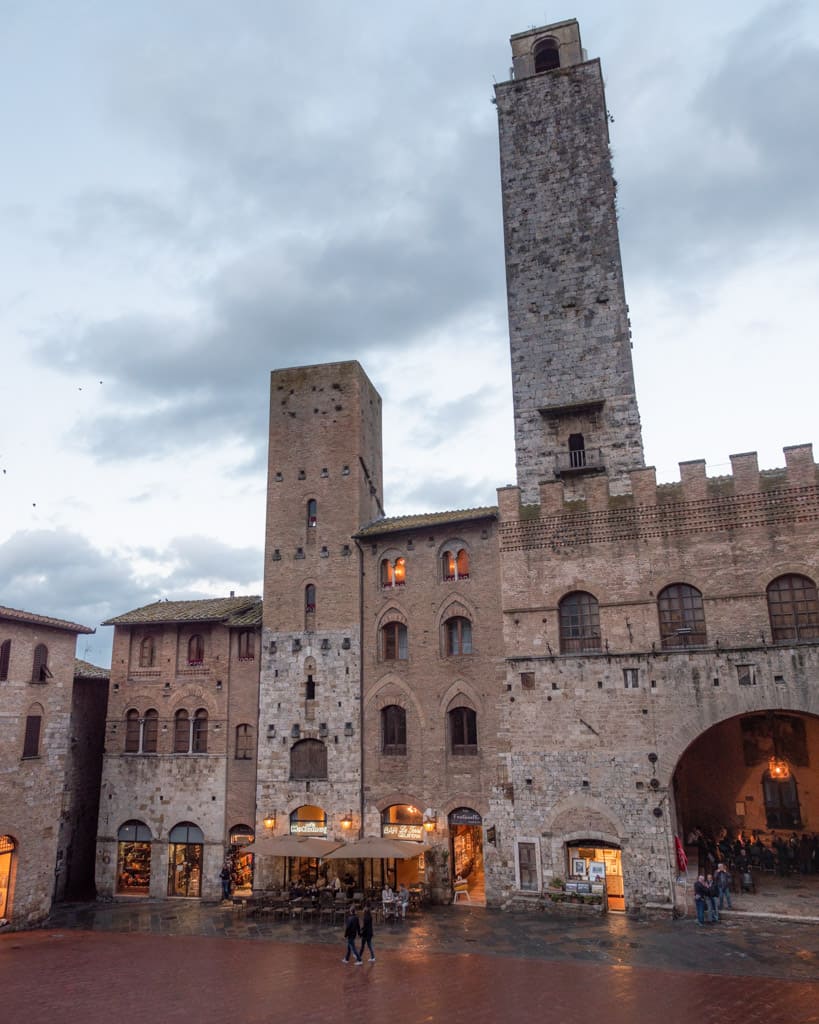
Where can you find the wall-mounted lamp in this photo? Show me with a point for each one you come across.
(430, 820)
(347, 820)
(270, 821)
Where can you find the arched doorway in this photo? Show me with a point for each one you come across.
(466, 839)
(185, 860)
(746, 793)
(7, 849)
(240, 859)
(406, 822)
(307, 820)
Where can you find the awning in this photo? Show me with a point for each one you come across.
(293, 846)
(377, 848)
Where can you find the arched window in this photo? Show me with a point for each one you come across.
(547, 56)
(181, 732)
(393, 574)
(310, 598)
(39, 669)
(147, 652)
(312, 512)
(394, 645)
(199, 732)
(793, 607)
(132, 731)
(196, 650)
(455, 564)
(577, 451)
(308, 760)
(34, 725)
(5, 658)
(682, 617)
(247, 646)
(244, 743)
(393, 730)
(463, 731)
(781, 802)
(579, 623)
(457, 636)
(150, 731)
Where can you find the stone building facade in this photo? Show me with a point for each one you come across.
(575, 404)
(43, 777)
(179, 771)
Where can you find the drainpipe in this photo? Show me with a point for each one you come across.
(361, 685)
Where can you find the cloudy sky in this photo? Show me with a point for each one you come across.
(194, 193)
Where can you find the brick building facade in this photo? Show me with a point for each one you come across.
(179, 771)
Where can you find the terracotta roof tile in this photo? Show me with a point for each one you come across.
(211, 609)
(398, 523)
(15, 615)
(85, 670)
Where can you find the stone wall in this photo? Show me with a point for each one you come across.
(568, 319)
(575, 739)
(32, 790)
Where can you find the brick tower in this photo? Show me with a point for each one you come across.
(573, 384)
(324, 483)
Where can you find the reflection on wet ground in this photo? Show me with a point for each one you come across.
(739, 945)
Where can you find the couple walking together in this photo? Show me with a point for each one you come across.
(352, 930)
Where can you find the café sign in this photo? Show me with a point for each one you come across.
(395, 831)
(308, 828)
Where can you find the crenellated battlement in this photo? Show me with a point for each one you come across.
(746, 497)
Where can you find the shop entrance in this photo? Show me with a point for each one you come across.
(400, 821)
(240, 860)
(133, 859)
(466, 837)
(596, 869)
(7, 847)
(185, 860)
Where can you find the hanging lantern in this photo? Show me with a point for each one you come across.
(778, 769)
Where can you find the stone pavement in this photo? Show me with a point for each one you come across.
(180, 960)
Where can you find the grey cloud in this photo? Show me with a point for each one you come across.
(749, 179)
(61, 573)
(450, 493)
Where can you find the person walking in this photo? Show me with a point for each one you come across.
(367, 933)
(351, 933)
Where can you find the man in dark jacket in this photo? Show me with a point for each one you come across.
(700, 897)
(351, 933)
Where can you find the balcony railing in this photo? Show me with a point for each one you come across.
(582, 460)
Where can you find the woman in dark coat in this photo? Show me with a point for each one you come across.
(367, 934)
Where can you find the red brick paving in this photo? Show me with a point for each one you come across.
(50, 977)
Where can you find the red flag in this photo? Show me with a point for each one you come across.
(682, 859)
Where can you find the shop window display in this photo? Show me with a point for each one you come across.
(134, 859)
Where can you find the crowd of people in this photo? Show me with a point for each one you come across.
(743, 852)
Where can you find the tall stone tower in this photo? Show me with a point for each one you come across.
(573, 384)
(324, 483)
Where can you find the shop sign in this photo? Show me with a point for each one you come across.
(308, 828)
(395, 831)
(465, 816)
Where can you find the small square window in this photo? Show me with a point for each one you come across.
(527, 680)
(746, 676)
